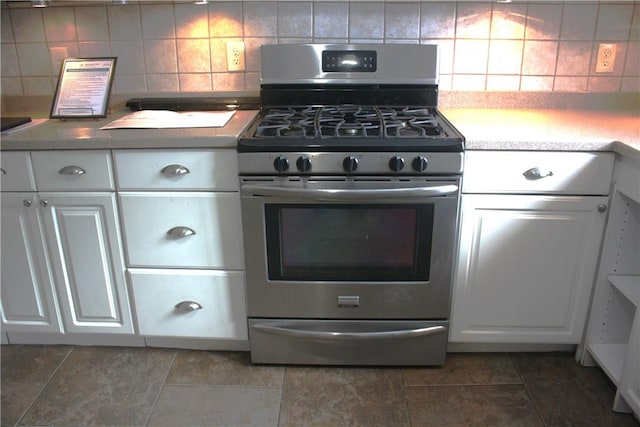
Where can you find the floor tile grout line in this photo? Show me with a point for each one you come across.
(526, 389)
(46, 383)
(162, 386)
(284, 378)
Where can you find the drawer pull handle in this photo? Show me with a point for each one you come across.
(175, 170)
(537, 173)
(188, 306)
(180, 231)
(72, 170)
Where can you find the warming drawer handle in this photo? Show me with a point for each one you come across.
(188, 306)
(349, 194)
(72, 170)
(175, 170)
(298, 333)
(181, 231)
(537, 173)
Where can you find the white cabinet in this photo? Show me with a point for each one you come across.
(62, 259)
(16, 172)
(613, 336)
(528, 251)
(28, 302)
(525, 268)
(87, 262)
(190, 303)
(183, 238)
(183, 229)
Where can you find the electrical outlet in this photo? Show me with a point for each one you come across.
(606, 59)
(235, 56)
(57, 54)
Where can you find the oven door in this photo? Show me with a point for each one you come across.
(349, 248)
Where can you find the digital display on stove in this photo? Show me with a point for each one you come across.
(365, 61)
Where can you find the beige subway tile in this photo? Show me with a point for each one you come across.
(92, 23)
(295, 19)
(193, 56)
(158, 21)
(225, 19)
(402, 21)
(543, 21)
(437, 20)
(508, 21)
(366, 20)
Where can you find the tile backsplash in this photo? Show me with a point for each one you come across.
(172, 47)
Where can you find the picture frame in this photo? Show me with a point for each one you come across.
(83, 88)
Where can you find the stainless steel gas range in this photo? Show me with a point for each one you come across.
(350, 184)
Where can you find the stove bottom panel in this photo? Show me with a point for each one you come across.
(348, 342)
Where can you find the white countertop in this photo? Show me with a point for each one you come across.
(547, 129)
(80, 134)
(483, 128)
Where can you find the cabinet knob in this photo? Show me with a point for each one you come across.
(537, 173)
(72, 170)
(188, 306)
(44, 203)
(3, 172)
(181, 231)
(175, 170)
(602, 207)
(27, 202)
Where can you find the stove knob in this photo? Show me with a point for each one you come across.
(281, 164)
(419, 164)
(304, 164)
(350, 164)
(396, 163)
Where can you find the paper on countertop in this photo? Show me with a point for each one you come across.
(165, 119)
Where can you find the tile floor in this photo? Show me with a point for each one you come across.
(109, 386)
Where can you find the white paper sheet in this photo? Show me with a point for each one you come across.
(164, 119)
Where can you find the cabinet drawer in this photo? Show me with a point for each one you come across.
(73, 170)
(189, 303)
(533, 172)
(16, 173)
(210, 237)
(177, 170)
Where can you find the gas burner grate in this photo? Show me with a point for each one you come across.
(348, 121)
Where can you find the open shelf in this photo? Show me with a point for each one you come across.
(629, 286)
(610, 357)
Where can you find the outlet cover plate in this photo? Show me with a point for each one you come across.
(235, 56)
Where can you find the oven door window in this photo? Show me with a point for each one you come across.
(349, 242)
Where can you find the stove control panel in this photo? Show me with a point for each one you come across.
(349, 60)
(356, 163)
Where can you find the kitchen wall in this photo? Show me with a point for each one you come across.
(165, 47)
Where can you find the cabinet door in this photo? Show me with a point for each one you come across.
(525, 269)
(85, 251)
(28, 302)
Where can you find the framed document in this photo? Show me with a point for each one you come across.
(83, 89)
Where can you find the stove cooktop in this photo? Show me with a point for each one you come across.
(351, 127)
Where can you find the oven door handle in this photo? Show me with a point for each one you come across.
(349, 194)
(299, 333)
